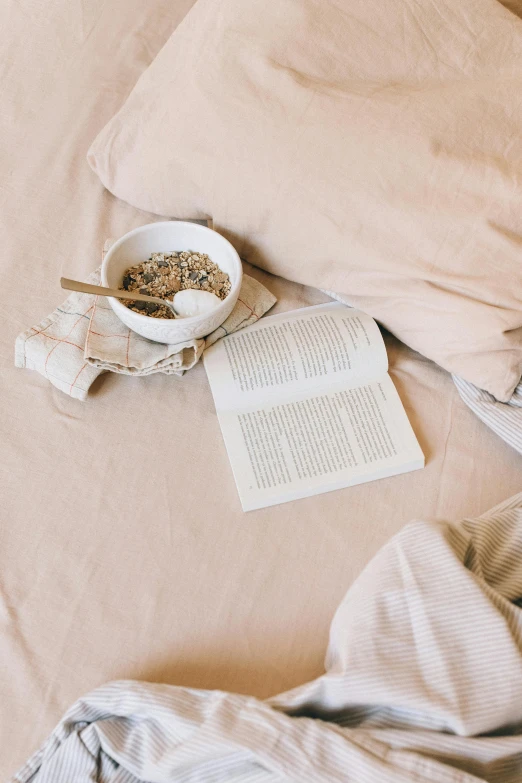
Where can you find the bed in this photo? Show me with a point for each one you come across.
(124, 552)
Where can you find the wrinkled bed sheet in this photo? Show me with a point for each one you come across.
(123, 549)
(424, 660)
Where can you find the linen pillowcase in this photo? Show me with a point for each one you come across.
(370, 149)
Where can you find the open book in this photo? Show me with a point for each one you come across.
(306, 405)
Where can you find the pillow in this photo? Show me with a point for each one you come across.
(370, 149)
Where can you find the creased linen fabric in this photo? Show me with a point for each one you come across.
(424, 659)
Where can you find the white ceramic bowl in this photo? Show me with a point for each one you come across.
(161, 237)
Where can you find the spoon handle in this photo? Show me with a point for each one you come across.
(87, 288)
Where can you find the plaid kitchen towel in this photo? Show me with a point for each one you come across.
(83, 338)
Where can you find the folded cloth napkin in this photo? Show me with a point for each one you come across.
(83, 338)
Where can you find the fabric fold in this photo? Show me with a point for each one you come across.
(504, 418)
(423, 685)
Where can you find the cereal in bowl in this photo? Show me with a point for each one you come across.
(164, 274)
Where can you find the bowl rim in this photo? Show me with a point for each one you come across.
(193, 319)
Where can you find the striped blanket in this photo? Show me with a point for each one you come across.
(504, 418)
(423, 684)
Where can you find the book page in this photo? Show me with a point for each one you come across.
(340, 436)
(296, 351)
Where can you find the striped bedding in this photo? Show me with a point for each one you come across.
(504, 418)
(423, 684)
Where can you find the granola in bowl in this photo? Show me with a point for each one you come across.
(164, 274)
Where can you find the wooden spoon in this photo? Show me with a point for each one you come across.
(87, 288)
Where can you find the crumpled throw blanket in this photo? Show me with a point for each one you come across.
(423, 684)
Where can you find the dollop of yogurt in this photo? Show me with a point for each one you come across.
(192, 302)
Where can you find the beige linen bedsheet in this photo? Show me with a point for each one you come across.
(123, 549)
